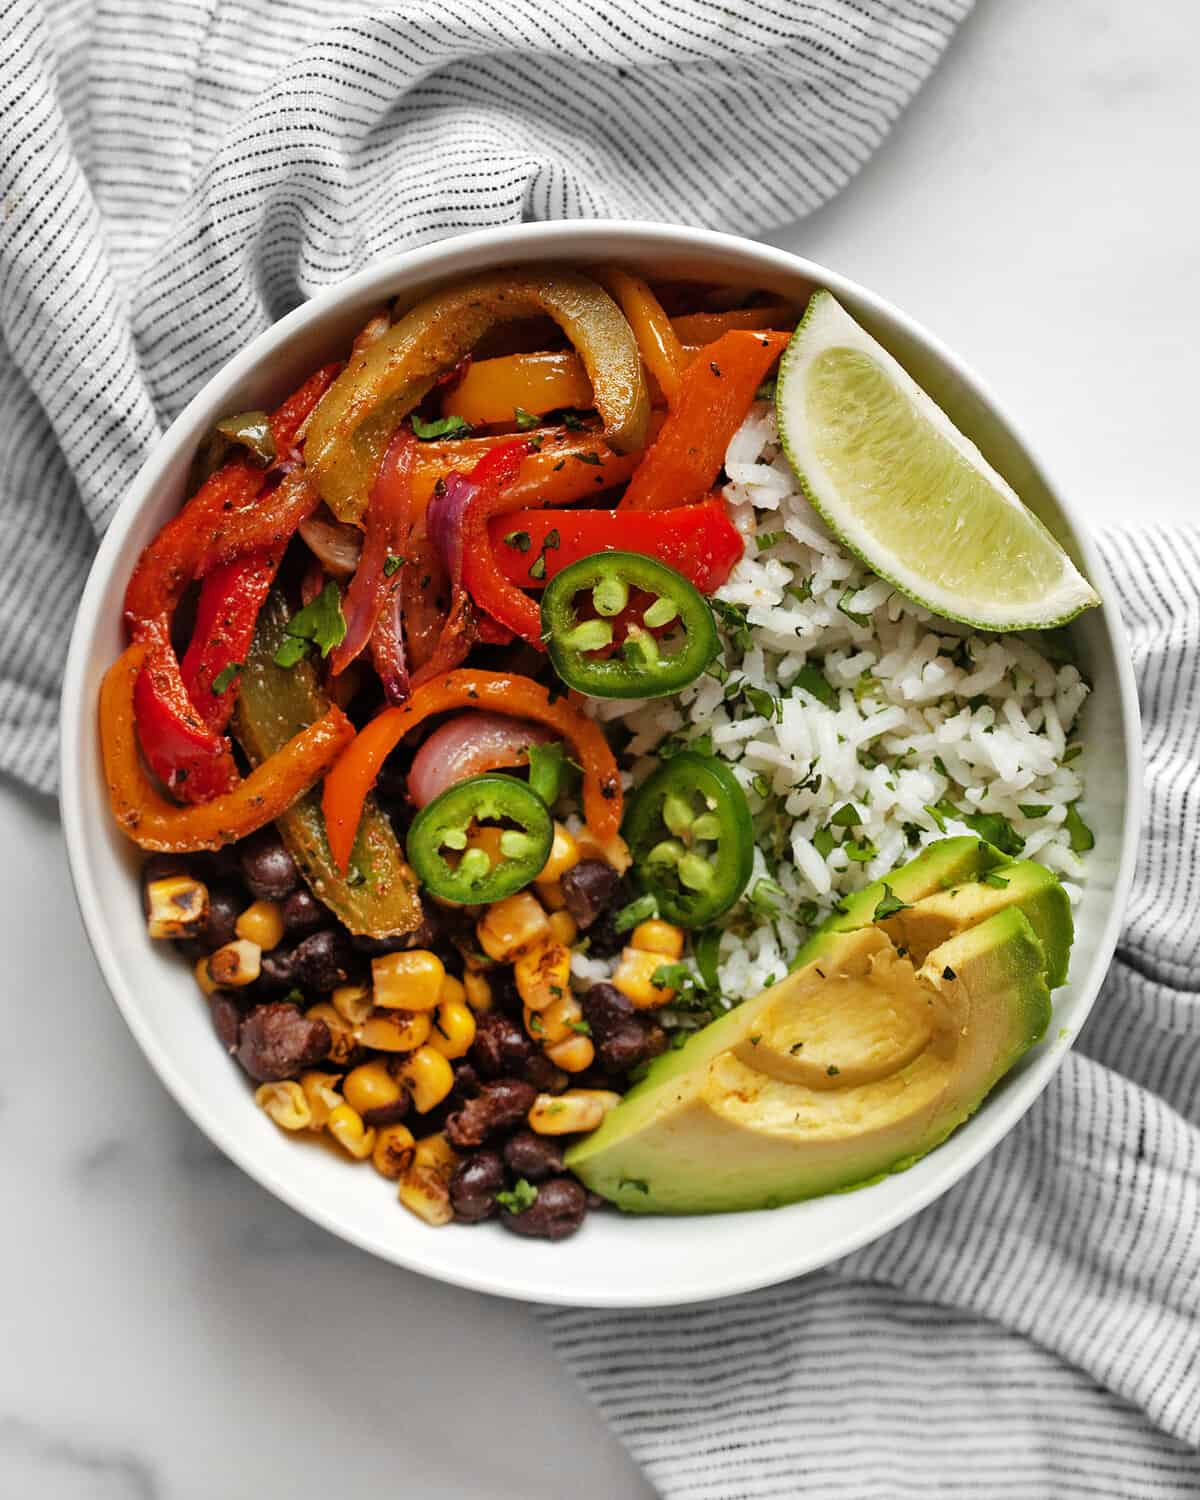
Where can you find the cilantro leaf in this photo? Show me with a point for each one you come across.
(518, 539)
(637, 911)
(847, 816)
(996, 829)
(813, 681)
(844, 608)
(443, 427)
(523, 1196)
(1034, 810)
(1081, 836)
(224, 679)
(525, 419)
(860, 853)
(889, 904)
(392, 565)
(823, 841)
(762, 896)
(319, 624)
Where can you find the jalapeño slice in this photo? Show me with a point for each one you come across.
(689, 831)
(482, 871)
(642, 665)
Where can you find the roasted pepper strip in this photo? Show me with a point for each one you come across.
(387, 379)
(482, 580)
(564, 467)
(657, 341)
(347, 785)
(702, 328)
(270, 521)
(717, 389)
(230, 599)
(154, 823)
(699, 541)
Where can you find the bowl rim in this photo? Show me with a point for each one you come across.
(1004, 1110)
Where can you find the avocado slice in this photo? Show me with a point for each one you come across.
(934, 918)
(713, 1129)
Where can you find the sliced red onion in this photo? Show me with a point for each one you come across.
(338, 546)
(467, 745)
(444, 518)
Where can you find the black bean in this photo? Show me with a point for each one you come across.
(545, 1077)
(467, 1083)
(474, 1185)
(226, 1019)
(588, 889)
(534, 1157)
(500, 1046)
(605, 1009)
(277, 972)
(303, 913)
(322, 961)
(622, 1048)
(268, 869)
(604, 941)
(497, 1106)
(278, 1041)
(558, 1210)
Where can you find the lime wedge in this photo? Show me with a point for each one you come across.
(905, 490)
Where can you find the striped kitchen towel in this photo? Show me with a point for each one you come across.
(1034, 1334)
(175, 175)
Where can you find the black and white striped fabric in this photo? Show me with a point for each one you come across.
(177, 174)
(1036, 1332)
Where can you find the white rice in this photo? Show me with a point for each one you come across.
(909, 687)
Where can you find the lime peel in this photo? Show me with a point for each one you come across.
(907, 492)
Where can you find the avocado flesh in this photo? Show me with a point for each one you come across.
(714, 1127)
(1030, 886)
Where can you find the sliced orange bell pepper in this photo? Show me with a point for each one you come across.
(718, 386)
(706, 327)
(347, 784)
(154, 823)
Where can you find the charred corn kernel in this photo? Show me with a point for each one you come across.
(658, 937)
(393, 1151)
(426, 1193)
(285, 1103)
(613, 851)
(564, 852)
(452, 989)
(353, 1003)
(559, 1020)
(572, 1055)
(344, 1037)
(550, 894)
(425, 1183)
(435, 1151)
(346, 1126)
(543, 976)
(513, 926)
(634, 978)
(563, 927)
(262, 923)
(321, 1092)
(428, 1077)
(370, 1086)
(178, 907)
(410, 980)
(453, 1029)
(395, 1030)
(478, 991)
(577, 1109)
(235, 964)
(203, 978)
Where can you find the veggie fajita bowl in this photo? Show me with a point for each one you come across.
(659, 856)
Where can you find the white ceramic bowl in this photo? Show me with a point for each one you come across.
(614, 1261)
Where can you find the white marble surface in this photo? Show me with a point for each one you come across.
(169, 1329)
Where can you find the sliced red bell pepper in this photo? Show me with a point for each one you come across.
(230, 599)
(699, 541)
(190, 756)
(715, 392)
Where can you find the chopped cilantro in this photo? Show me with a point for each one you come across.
(443, 427)
(581, 1028)
(586, 458)
(847, 816)
(518, 539)
(762, 896)
(813, 681)
(860, 853)
(319, 624)
(523, 1196)
(571, 420)
(391, 565)
(1081, 836)
(537, 568)
(939, 765)
(996, 829)
(732, 617)
(767, 539)
(637, 911)
(889, 904)
(801, 590)
(844, 608)
(832, 1071)
(525, 419)
(1034, 809)
(670, 976)
(763, 704)
(1072, 752)
(756, 1038)
(224, 679)
(823, 841)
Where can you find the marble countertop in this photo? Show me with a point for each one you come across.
(170, 1329)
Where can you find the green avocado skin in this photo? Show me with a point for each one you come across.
(663, 1150)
